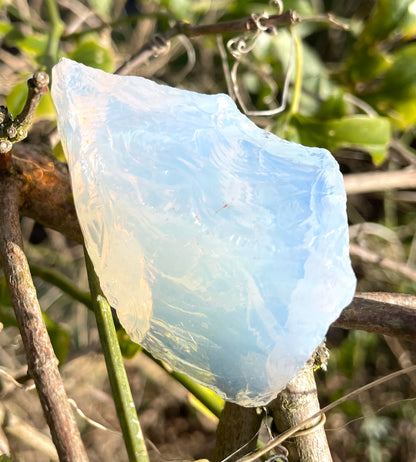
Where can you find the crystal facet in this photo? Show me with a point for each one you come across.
(223, 248)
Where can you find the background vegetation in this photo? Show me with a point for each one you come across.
(351, 90)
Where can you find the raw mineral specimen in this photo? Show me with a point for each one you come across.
(223, 248)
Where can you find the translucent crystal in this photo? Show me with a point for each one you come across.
(223, 248)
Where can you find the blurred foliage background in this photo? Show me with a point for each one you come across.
(351, 90)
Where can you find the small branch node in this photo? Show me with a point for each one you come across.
(40, 80)
(5, 147)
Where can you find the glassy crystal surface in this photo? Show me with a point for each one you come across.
(223, 248)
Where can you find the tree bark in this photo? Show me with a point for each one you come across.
(297, 402)
(236, 432)
(42, 362)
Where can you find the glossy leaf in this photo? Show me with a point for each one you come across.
(388, 15)
(369, 133)
(334, 107)
(396, 95)
(369, 60)
(33, 45)
(92, 54)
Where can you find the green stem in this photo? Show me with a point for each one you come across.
(297, 88)
(59, 280)
(57, 28)
(206, 396)
(126, 411)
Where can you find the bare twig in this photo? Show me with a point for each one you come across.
(159, 41)
(16, 130)
(294, 405)
(266, 23)
(42, 362)
(369, 256)
(360, 183)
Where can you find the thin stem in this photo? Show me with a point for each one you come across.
(159, 41)
(297, 88)
(293, 405)
(57, 27)
(14, 131)
(126, 410)
(42, 362)
(361, 183)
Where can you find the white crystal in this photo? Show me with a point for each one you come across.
(223, 248)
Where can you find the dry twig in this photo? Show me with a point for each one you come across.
(296, 403)
(41, 359)
(159, 43)
(360, 183)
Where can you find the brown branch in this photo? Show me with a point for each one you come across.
(42, 362)
(360, 183)
(46, 190)
(239, 25)
(382, 313)
(16, 130)
(159, 42)
(294, 405)
(236, 432)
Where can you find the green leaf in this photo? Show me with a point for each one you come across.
(33, 45)
(408, 25)
(369, 133)
(396, 94)
(400, 79)
(17, 97)
(4, 458)
(367, 64)
(387, 16)
(334, 107)
(368, 60)
(92, 54)
(128, 348)
(58, 152)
